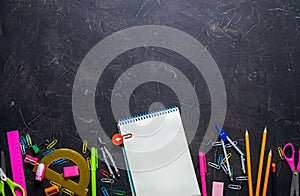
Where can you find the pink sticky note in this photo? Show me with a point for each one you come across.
(217, 189)
(71, 171)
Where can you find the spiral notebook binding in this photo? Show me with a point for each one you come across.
(147, 115)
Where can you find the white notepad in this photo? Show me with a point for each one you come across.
(158, 155)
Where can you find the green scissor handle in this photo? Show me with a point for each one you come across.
(13, 186)
(2, 193)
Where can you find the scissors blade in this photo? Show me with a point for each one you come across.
(295, 184)
(3, 166)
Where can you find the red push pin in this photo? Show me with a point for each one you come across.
(117, 139)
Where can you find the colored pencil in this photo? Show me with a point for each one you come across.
(265, 188)
(261, 161)
(248, 157)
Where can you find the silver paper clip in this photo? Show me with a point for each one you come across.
(219, 143)
(234, 186)
(213, 165)
(241, 178)
(23, 149)
(107, 180)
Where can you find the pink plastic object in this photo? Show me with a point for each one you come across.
(217, 189)
(17, 168)
(40, 172)
(71, 171)
(31, 160)
(290, 160)
(202, 165)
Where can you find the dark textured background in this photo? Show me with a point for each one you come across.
(254, 43)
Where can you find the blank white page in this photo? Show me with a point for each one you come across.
(158, 155)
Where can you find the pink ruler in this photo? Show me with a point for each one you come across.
(16, 160)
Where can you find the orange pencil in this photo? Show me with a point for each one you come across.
(248, 157)
(261, 161)
(267, 174)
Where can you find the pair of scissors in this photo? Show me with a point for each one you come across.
(13, 186)
(290, 161)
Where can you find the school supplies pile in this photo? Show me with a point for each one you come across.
(45, 160)
(157, 159)
(223, 162)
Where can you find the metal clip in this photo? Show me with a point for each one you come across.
(224, 159)
(55, 184)
(23, 149)
(23, 141)
(119, 192)
(220, 158)
(234, 186)
(88, 161)
(107, 180)
(84, 146)
(48, 152)
(43, 145)
(104, 191)
(49, 146)
(215, 144)
(213, 165)
(105, 173)
(218, 143)
(67, 191)
(50, 191)
(63, 162)
(241, 178)
(60, 161)
(28, 140)
(280, 153)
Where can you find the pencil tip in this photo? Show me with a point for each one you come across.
(246, 132)
(265, 129)
(270, 153)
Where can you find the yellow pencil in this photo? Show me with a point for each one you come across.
(248, 157)
(267, 174)
(261, 161)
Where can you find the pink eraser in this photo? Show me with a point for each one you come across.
(71, 171)
(217, 189)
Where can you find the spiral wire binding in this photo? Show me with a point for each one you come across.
(147, 115)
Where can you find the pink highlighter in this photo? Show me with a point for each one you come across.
(202, 165)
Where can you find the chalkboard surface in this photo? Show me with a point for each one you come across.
(247, 74)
